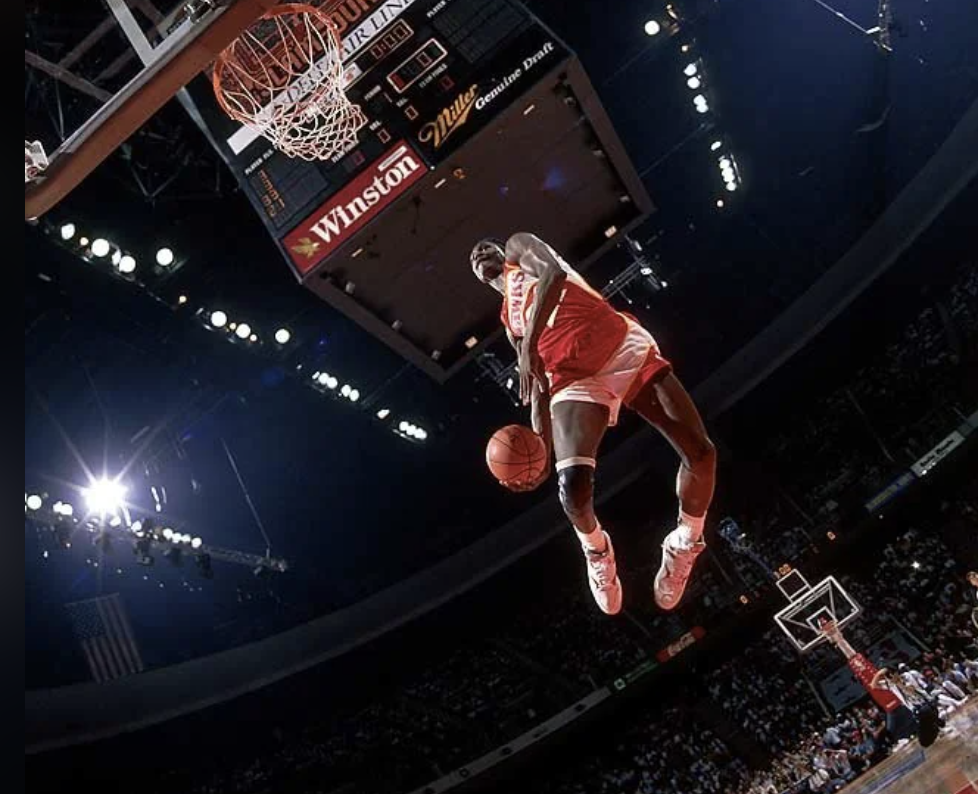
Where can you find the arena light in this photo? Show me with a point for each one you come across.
(725, 162)
(322, 378)
(728, 174)
(67, 231)
(116, 257)
(63, 509)
(915, 565)
(694, 82)
(127, 264)
(345, 390)
(691, 69)
(83, 241)
(253, 338)
(715, 146)
(700, 103)
(182, 300)
(652, 28)
(354, 395)
(105, 496)
(383, 413)
(218, 319)
(731, 186)
(243, 331)
(167, 533)
(331, 382)
(164, 257)
(100, 246)
(196, 543)
(402, 426)
(282, 336)
(34, 502)
(720, 204)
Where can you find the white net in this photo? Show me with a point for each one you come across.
(35, 160)
(284, 77)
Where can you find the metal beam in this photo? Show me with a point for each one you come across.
(70, 79)
(79, 50)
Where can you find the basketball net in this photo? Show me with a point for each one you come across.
(284, 77)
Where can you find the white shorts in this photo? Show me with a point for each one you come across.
(636, 361)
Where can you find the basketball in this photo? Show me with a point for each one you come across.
(516, 454)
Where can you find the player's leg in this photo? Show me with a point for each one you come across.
(578, 428)
(666, 405)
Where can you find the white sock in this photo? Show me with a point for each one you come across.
(594, 540)
(694, 524)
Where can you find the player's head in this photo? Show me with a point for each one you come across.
(487, 259)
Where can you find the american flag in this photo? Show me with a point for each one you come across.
(106, 639)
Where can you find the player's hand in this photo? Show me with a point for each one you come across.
(532, 374)
(525, 486)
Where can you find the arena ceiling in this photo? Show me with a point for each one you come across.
(826, 130)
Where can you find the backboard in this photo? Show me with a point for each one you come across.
(102, 69)
(826, 600)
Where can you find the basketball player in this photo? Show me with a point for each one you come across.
(579, 362)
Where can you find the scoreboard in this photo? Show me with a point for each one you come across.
(428, 75)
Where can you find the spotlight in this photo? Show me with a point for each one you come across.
(67, 231)
(63, 509)
(282, 336)
(915, 565)
(421, 434)
(725, 162)
(331, 382)
(700, 103)
(728, 174)
(218, 319)
(100, 246)
(720, 203)
(196, 543)
(690, 69)
(82, 241)
(694, 83)
(127, 264)
(34, 502)
(116, 257)
(323, 379)
(652, 27)
(403, 426)
(383, 413)
(164, 257)
(253, 338)
(105, 496)
(354, 395)
(182, 300)
(137, 528)
(731, 186)
(167, 533)
(243, 331)
(345, 390)
(715, 146)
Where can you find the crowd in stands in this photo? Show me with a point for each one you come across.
(559, 648)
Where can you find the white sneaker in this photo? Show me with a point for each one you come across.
(679, 553)
(602, 576)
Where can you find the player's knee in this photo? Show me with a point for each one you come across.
(575, 486)
(701, 458)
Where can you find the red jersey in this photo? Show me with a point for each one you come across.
(582, 333)
(864, 670)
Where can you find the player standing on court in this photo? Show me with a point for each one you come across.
(579, 361)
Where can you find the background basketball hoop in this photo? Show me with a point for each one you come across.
(284, 77)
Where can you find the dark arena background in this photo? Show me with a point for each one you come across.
(263, 551)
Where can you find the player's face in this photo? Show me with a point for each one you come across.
(487, 261)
